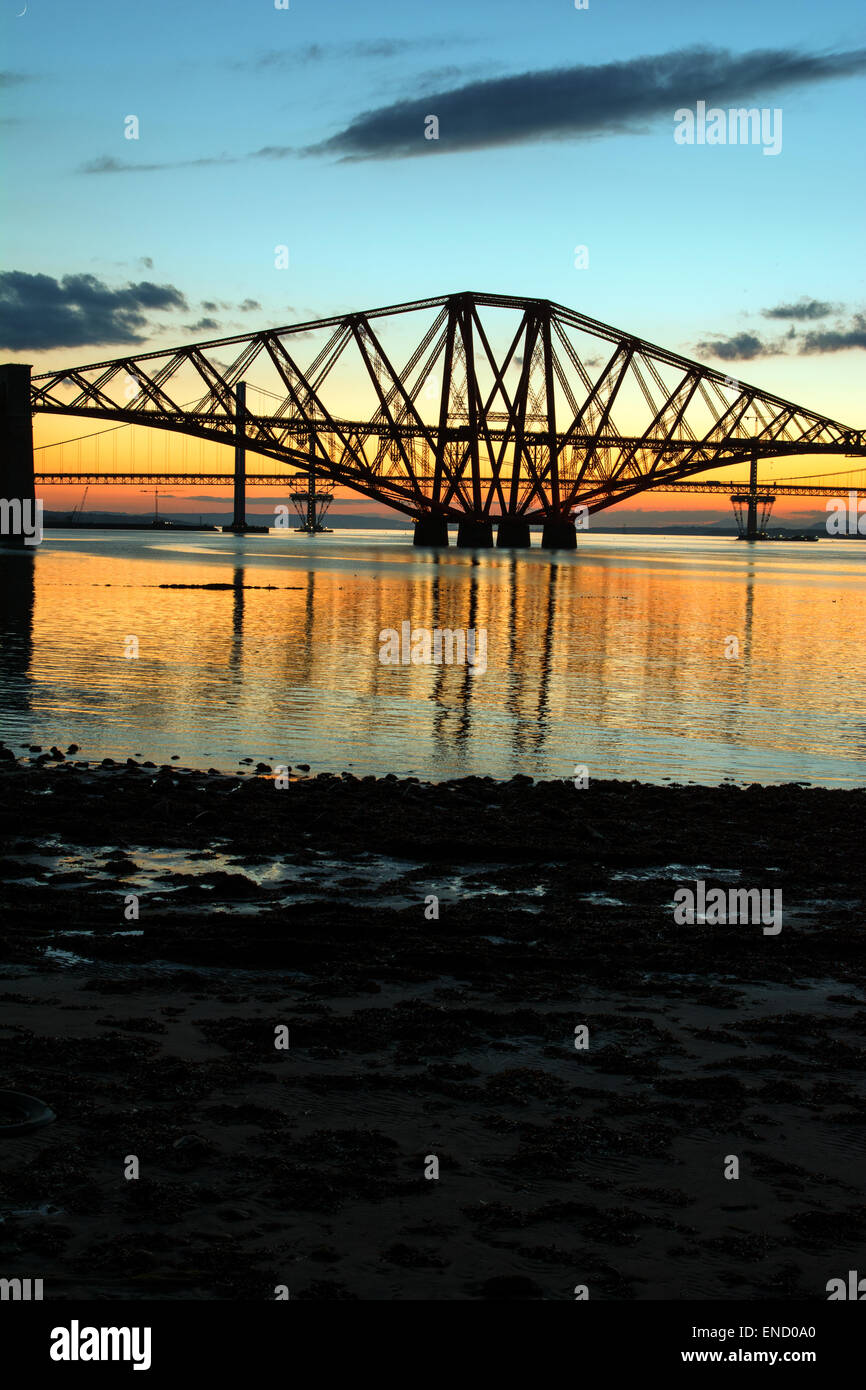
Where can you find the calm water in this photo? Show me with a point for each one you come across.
(613, 657)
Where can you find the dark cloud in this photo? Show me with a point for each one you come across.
(339, 52)
(395, 48)
(745, 347)
(107, 164)
(451, 72)
(578, 101)
(561, 103)
(837, 340)
(148, 295)
(274, 152)
(14, 79)
(213, 306)
(254, 498)
(742, 347)
(203, 324)
(803, 309)
(37, 311)
(146, 261)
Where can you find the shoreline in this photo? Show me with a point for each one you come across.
(414, 1035)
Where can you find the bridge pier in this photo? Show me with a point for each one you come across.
(752, 521)
(239, 526)
(559, 534)
(475, 535)
(311, 492)
(512, 533)
(431, 530)
(239, 518)
(16, 454)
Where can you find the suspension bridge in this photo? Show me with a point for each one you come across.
(505, 412)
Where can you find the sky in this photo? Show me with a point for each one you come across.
(303, 127)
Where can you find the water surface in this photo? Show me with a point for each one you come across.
(613, 657)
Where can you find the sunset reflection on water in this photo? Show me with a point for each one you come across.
(613, 657)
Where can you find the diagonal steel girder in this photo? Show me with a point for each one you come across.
(502, 406)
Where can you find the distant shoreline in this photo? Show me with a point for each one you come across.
(51, 523)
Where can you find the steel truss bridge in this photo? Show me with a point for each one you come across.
(469, 408)
(271, 480)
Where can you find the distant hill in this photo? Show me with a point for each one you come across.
(363, 521)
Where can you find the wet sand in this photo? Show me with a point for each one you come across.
(309, 906)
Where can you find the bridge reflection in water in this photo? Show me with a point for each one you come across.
(614, 657)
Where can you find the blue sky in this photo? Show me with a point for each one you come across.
(687, 245)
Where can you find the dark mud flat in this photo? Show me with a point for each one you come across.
(413, 1036)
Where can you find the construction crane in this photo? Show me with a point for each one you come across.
(155, 491)
(78, 510)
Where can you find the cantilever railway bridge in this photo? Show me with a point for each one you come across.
(474, 409)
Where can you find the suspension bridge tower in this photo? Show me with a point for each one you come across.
(312, 503)
(746, 505)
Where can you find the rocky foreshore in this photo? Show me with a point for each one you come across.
(434, 951)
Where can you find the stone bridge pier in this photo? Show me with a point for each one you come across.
(17, 488)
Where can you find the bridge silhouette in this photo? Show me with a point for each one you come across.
(503, 412)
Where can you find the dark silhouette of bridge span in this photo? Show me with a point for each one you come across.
(503, 411)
